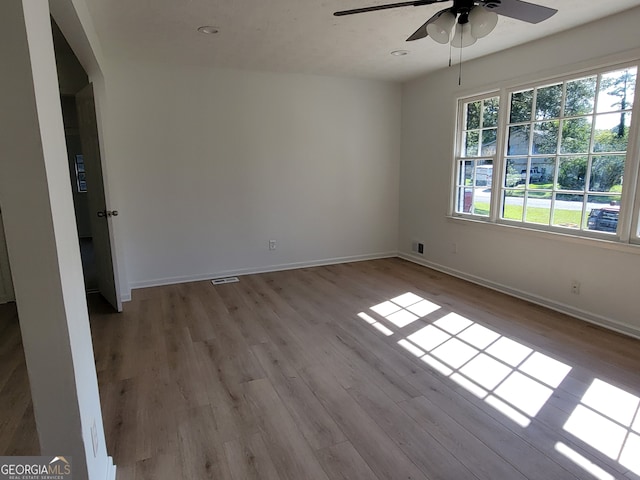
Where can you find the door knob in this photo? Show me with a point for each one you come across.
(107, 213)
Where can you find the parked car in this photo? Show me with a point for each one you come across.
(604, 219)
(536, 175)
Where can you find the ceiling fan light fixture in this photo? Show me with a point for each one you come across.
(482, 21)
(462, 36)
(440, 29)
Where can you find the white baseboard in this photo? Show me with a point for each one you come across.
(111, 469)
(542, 301)
(250, 271)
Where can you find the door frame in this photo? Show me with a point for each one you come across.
(84, 42)
(6, 282)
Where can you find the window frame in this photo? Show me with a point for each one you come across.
(629, 216)
(458, 157)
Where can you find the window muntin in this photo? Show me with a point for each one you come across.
(473, 188)
(562, 164)
(480, 127)
(562, 160)
(475, 164)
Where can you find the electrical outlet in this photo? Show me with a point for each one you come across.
(454, 247)
(575, 287)
(421, 248)
(272, 244)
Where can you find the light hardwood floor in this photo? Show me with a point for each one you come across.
(293, 375)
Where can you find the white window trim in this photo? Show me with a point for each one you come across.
(458, 150)
(629, 220)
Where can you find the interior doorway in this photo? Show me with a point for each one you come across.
(77, 173)
(85, 172)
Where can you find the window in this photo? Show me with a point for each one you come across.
(557, 153)
(475, 164)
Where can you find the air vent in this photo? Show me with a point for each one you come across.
(222, 281)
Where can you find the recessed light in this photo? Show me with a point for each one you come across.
(400, 53)
(208, 29)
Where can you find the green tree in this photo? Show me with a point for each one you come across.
(576, 135)
(514, 177)
(490, 112)
(548, 102)
(473, 115)
(606, 172)
(572, 173)
(521, 103)
(576, 132)
(620, 85)
(580, 96)
(545, 137)
(579, 100)
(610, 140)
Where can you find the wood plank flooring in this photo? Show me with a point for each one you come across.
(293, 375)
(17, 424)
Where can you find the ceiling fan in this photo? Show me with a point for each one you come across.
(473, 19)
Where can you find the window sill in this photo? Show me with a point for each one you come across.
(603, 243)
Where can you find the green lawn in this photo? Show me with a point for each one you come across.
(539, 215)
(520, 191)
(481, 208)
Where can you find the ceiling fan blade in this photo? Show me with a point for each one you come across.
(520, 10)
(422, 31)
(374, 8)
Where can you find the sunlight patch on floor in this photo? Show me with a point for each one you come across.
(405, 309)
(608, 419)
(402, 318)
(545, 369)
(508, 411)
(584, 463)
(375, 324)
(515, 379)
(486, 371)
(523, 392)
(516, 375)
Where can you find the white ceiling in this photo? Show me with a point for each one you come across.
(303, 35)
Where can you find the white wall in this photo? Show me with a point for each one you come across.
(42, 244)
(205, 166)
(535, 266)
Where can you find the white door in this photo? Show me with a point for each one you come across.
(6, 284)
(100, 217)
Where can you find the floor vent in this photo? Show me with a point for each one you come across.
(222, 281)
